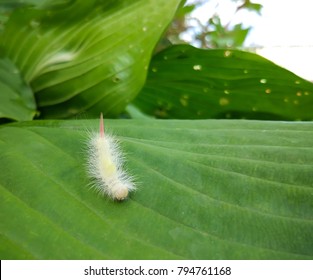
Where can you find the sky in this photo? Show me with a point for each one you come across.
(282, 33)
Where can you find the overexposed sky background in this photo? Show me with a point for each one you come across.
(282, 33)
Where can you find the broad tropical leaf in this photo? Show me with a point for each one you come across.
(85, 55)
(189, 83)
(16, 98)
(207, 189)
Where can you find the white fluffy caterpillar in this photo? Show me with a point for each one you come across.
(105, 166)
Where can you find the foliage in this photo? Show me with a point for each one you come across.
(222, 84)
(212, 33)
(209, 188)
(69, 60)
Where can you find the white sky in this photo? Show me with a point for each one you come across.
(284, 29)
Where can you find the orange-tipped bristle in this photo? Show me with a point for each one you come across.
(101, 127)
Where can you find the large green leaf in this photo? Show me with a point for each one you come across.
(85, 55)
(206, 190)
(16, 98)
(190, 83)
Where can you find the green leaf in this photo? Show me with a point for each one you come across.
(222, 36)
(184, 10)
(185, 82)
(16, 98)
(254, 7)
(207, 189)
(87, 55)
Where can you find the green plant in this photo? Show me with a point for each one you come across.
(208, 187)
(212, 33)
